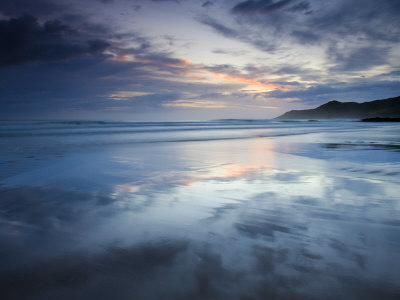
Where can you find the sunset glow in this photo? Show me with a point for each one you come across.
(240, 59)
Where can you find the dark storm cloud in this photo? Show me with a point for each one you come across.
(64, 86)
(366, 19)
(84, 84)
(24, 39)
(260, 7)
(176, 1)
(207, 4)
(58, 86)
(58, 66)
(393, 73)
(356, 25)
(220, 28)
(306, 37)
(37, 7)
(289, 69)
(45, 59)
(361, 18)
(301, 6)
(358, 59)
(240, 34)
(267, 32)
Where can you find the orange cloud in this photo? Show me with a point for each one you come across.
(211, 104)
(185, 67)
(114, 108)
(125, 95)
(195, 104)
(266, 87)
(122, 57)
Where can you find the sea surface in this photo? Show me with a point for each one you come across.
(225, 209)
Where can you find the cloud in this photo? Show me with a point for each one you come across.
(37, 7)
(358, 59)
(348, 38)
(23, 40)
(248, 81)
(391, 74)
(306, 37)
(46, 55)
(145, 82)
(301, 6)
(126, 95)
(286, 22)
(220, 28)
(176, 1)
(352, 24)
(259, 7)
(207, 4)
(357, 90)
(365, 19)
(368, 19)
(240, 34)
(195, 104)
(230, 52)
(162, 63)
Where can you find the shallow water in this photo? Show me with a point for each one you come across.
(230, 209)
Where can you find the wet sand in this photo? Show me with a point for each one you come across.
(305, 216)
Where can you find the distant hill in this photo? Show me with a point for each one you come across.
(386, 108)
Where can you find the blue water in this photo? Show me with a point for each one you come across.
(226, 209)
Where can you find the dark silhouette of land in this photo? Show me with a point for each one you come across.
(381, 120)
(386, 108)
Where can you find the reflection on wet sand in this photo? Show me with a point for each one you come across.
(252, 219)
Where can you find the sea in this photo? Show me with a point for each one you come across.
(223, 209)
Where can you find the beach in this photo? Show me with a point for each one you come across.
(225, 209)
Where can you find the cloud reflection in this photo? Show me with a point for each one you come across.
(217, 220)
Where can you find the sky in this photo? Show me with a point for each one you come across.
(165, 60)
